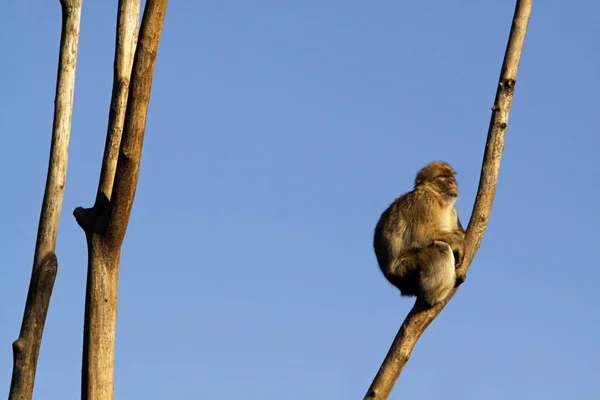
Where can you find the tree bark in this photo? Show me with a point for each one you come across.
(45, 265)
(105, 224)
(419, 319)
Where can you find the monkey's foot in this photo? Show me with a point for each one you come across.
(442, 247)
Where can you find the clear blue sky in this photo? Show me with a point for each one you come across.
(277, 134)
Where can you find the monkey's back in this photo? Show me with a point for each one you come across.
(389, 232)
(400, 227)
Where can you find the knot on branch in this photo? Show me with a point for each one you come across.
(49, 265)
(93, 220)
(17, 347)
(507, 85)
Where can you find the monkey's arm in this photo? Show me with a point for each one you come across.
(455, 238)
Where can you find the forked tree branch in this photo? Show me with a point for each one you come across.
(106, 222)
(130, 153)
(419, 319)
(102, 280)
(45, 265)
(94, 219)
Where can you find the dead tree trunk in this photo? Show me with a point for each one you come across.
(45, 265)
(106, 222)
(417, 319)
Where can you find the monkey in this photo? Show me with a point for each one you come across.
(419, 240)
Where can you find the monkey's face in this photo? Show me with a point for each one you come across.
(439, 177)
(447, 186)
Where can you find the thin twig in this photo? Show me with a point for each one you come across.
(418, 319)
(45, 265)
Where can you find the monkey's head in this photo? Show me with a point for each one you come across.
(439, 177)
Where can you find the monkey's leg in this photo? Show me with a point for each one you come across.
(438, 275)
(405, 274)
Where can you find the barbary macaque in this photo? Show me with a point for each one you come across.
(419, 240)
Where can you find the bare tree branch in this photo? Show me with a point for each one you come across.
(126, 40)
(45, 265)
(105, 223)
(418, 319)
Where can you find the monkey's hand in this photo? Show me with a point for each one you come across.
(458, 247)
(456, 241)
(458, 257)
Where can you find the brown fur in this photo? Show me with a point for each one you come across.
(419, 240)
